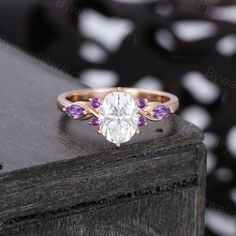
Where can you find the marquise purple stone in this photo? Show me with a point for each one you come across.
(74, 111)
(161, 112)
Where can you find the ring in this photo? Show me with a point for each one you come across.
(117, 112)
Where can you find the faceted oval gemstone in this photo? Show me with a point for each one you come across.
(118, 117)
(74, 111)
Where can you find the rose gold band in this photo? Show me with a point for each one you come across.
(83, 96)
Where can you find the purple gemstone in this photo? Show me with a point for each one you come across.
(95, 103)
(141, 103)
(74, 111)
(161, 112)
(142, 121)
(94, 121)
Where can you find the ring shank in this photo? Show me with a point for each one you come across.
(84, 95)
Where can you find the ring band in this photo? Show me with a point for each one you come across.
(117, 112)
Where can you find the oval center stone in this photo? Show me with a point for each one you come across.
(118, 117)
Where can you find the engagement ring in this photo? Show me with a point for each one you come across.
(118, 113)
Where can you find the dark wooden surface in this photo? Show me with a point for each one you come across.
(58, 177)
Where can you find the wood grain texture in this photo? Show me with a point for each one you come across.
(59, 177)
(154, 215)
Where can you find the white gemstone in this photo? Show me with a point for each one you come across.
(118, 117)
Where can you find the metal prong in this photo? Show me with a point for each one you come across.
(64, 108)
(137, 131)
(119, 89)
(99, 131)
(118, 144)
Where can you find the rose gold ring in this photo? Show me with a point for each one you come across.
(118, 112)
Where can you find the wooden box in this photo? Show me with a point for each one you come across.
(58, 177)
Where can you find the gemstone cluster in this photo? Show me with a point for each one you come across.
(118, 116)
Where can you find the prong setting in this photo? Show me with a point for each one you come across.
(122, 115)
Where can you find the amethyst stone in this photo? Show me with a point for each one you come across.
(161, 112)
(94, 121)
(95, 103)
(74, 111)
(142, 121)
(141, 103)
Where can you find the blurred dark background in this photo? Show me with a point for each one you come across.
(187, 47)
